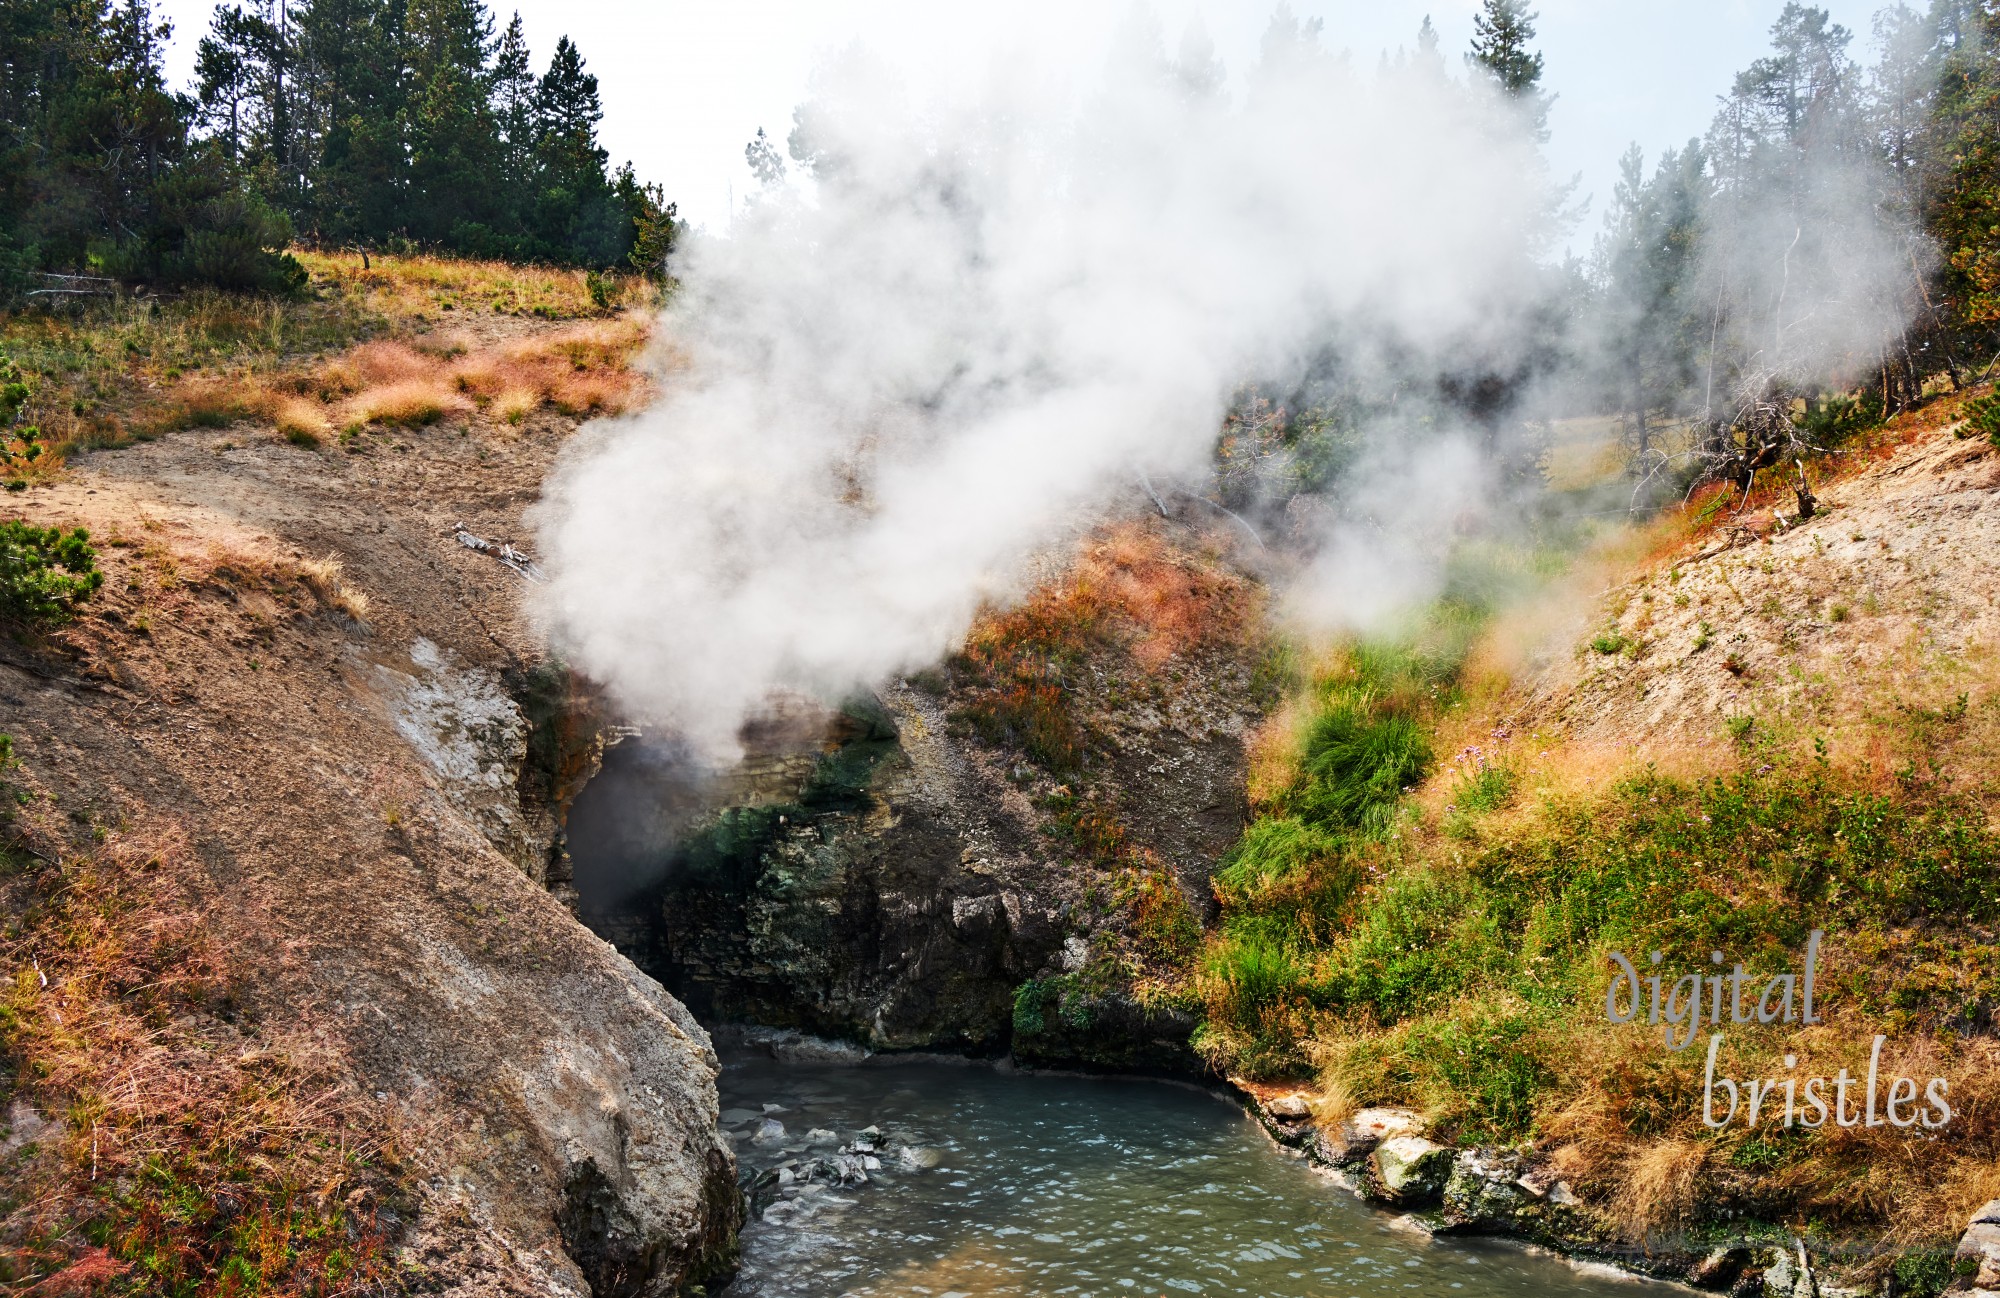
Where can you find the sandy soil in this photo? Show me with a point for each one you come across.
(1887, 600)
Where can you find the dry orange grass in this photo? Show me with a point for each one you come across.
(580, 371)
(1274, 750)
(1174, 601)
(1659, 1185)
(300, 419)
(514, 405)
(176, 1147)
(410, 402)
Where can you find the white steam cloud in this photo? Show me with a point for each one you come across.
(996, 307)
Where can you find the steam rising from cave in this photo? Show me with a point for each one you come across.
(1000, 307)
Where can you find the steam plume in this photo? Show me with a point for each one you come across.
(996, 307)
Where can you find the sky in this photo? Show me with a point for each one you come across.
(686, 83)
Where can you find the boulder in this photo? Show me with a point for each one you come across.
(1979, 1247)
(1357, 1137)
(1484, 1194)
(1409, 1169)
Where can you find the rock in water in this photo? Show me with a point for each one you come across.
(1410, 1169)
(1356, 1138)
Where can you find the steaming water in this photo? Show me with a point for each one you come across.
(1073, 1186)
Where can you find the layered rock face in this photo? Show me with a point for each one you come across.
(855, 884)
(894, 875)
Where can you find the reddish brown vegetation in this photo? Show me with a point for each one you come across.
(167, 1142)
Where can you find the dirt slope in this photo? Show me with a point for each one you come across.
(344, 755)
(1887, 599)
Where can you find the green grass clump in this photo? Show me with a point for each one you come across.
(1358, 762)
(45, 572)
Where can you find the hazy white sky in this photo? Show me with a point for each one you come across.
(687, 82)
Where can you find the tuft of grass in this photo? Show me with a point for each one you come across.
(326, 579)
(301, 421)
(514, 405)
(411, 403)
(1358, 759)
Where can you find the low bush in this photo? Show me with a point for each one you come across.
(1982, 416)
(45, 572)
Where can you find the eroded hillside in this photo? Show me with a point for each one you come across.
(292, 994)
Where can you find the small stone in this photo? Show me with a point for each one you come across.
(872, 1163)
(1289, 1108)
(1357, 1137)
(769, 1132)
(1721, 1269)
(821, 1136)
(919, 1156)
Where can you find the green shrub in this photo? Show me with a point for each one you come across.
(1837, 418)
(1611, 642)
(44, 572)
(1479, 1070)
(1418, 940)
(1982, 416)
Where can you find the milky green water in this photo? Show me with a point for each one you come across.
(1073, 1186)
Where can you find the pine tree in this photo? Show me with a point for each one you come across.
(227, 81)
(577, 215)
(247, 95)
(357, 106)
(766, 163)
(454, 141)
(1503, 33)
(1963, 190)
(1647, 257)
